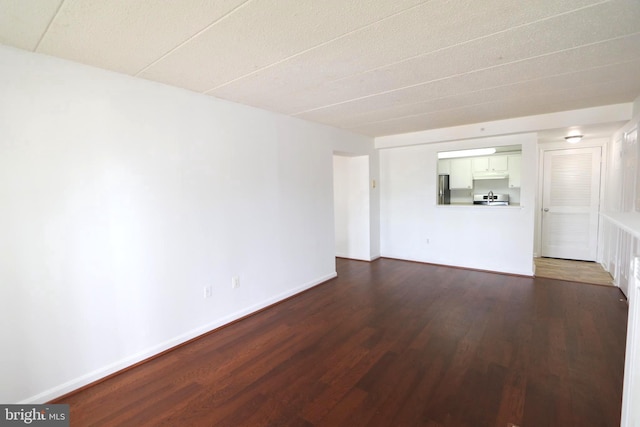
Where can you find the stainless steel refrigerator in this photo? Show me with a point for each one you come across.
(444, 193)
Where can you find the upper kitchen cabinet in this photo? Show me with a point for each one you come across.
(489, 164)
(444, 167)
(461, 176)
(514, 162)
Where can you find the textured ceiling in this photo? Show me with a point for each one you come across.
(375, 67)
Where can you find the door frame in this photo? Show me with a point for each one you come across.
(543, 147)
(359, 246)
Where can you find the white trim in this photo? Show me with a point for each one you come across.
(355, 258)
(119, 365)
(555, 146)
(631, 382)
(466, 267)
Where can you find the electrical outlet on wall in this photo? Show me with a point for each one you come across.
(208, 291)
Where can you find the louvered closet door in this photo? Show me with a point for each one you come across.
(570, 203)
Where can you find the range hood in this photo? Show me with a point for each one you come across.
(490, 175)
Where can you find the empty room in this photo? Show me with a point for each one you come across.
(320, 213)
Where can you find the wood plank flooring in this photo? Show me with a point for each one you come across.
(574, 271)
(390, 343)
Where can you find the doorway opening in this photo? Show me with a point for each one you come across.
(351, 201)
(568, 219)
(570, 203)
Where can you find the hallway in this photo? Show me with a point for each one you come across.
(572, 271)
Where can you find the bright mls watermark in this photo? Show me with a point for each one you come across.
(34, 415)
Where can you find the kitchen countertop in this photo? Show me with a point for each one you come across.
(471, 205)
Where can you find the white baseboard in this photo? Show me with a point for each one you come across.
(119, 365)
(470, 267)
(349, 256)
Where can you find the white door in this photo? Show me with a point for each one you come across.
(570, 203)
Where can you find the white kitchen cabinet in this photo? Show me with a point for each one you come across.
(489, 164)
(514, 162)
(444, 167)
(498, 163)
(460, 176)
(480, 164)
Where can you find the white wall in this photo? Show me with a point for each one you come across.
(631, 386)
(352, 207)
(121, 199)
(489, 238)
(620, 244)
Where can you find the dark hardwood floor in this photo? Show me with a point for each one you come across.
(390, 343)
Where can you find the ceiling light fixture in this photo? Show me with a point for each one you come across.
(466, 153)
(573, 139)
